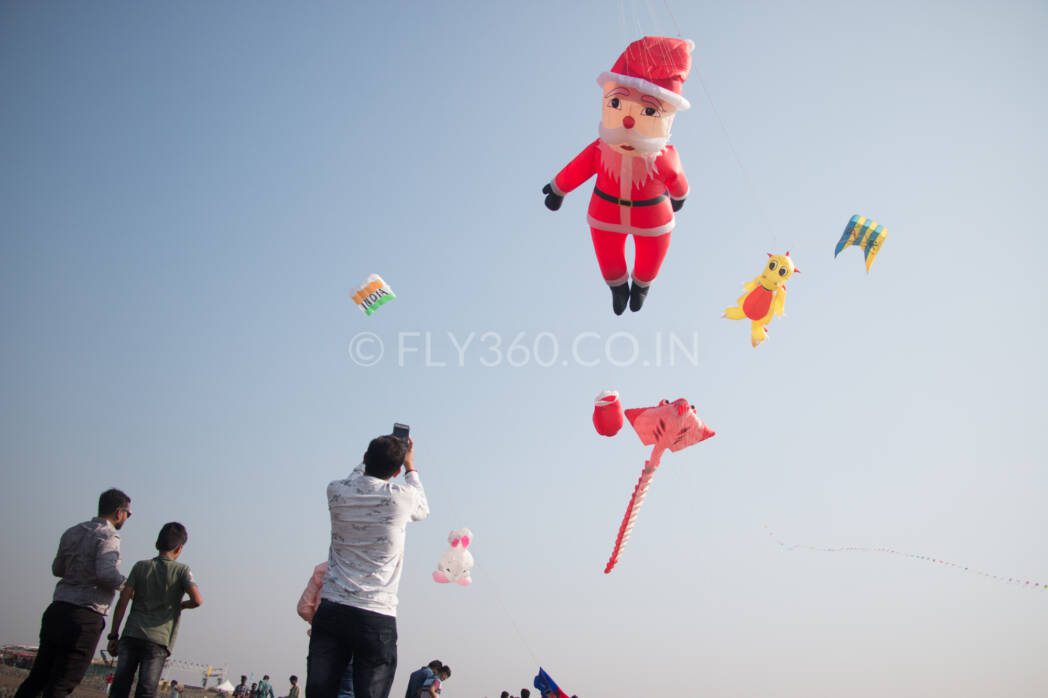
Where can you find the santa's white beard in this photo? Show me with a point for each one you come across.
(627, 136)
(643, 164)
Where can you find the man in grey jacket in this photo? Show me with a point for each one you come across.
(88, 562)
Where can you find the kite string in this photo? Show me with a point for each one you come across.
(727, 138)
(501, 603)
(664, 51)
(516, 628)
(676, 26)
(751, 187)
(914, 556)
(738, 161)
(624, 26)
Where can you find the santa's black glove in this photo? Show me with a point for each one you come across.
(553, 199)
(677, 204)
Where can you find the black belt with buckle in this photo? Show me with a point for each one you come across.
(627, 202)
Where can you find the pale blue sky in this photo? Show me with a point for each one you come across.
(190, 192)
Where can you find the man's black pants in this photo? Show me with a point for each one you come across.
(342, 634)
(68, 638)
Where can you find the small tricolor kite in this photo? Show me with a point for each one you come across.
(669, 425)
(374, 294)
(547, 687)
(865, 233)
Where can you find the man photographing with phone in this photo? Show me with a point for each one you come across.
(356, 620)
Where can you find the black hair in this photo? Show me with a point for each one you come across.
(172, 535)
(265, 677)
(384, 455)
(111, 500)
(435, 665)
(446, 670)
(524, 693)
(293, 679)
(505, 694)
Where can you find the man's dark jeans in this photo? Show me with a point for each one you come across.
(343, 634)
(68, 638)
(143, 656)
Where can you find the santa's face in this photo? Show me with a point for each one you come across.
(633, 122)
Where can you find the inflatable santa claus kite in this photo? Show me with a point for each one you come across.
(640, 181)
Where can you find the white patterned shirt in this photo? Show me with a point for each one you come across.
(369, 518)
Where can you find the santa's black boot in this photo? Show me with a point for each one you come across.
(637, 296)
(620, 296)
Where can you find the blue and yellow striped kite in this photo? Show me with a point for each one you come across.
(865, 233)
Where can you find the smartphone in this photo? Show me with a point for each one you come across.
(401, 431)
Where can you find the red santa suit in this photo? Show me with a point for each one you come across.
(632, 196)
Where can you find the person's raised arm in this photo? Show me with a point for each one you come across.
(409, 459)
(411, 478)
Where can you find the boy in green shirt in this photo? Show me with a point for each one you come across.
(158, 588)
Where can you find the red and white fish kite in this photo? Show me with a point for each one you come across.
(669, 425)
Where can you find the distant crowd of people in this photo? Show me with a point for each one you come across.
(260, 689)
(171, 688)
(526, 693)
(350, 602)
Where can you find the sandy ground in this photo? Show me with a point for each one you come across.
(93, 687)
(11, 677)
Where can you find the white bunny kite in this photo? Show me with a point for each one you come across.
(455, 563)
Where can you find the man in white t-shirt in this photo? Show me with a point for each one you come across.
(357, 617)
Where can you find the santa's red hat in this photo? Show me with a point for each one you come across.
(608, 417)
(655, 65)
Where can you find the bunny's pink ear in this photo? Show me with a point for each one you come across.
(455, 542)
(465, 541)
